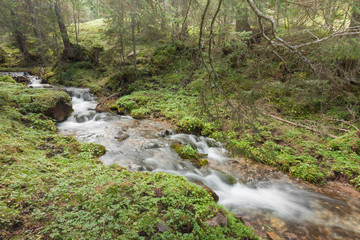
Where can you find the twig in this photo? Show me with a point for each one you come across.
(108, 98)
(301, 126)
(4, 220)
(339, 120)
(279, 41)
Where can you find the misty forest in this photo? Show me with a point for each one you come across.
(180, 119)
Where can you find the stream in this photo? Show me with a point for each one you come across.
(261, 196)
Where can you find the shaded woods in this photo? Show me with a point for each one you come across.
(277, 82)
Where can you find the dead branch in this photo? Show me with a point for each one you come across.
(301, 126)
(279, 41)
(108, 98)
(354, 31)
(345, 122)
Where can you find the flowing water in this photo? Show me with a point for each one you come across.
(263, 197)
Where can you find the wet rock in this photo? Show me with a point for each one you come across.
(151, 145)
(212, 143)
(135, 124)
(220, 219)
(273, 236)
(291, 236)
(61, 111)
(22, 79)
(226, 177)
(165, 133)
(121, 136)
(189, 153)
(162, 227)
(209, 190)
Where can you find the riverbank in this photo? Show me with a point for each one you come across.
(55, 187)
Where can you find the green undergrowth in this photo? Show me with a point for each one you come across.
(304, 155)
(54, 187)
(28, 100)
(77, 74)
(174, 93)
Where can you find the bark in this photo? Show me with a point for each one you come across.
(185, 9)
(20, 37)
(69, 50)
(302, 126)
(75, 25)
(34, 20)
(175, 22)
(327, 16)
(133, 23)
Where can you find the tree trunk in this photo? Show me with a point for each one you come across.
(19, 36)
(185, 8)
(133, 40)
(34, 20)
(355, 17)
(76, 29)
(69, 50)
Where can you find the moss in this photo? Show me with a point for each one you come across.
(140, 113)
(122, 79)
(3, 56)
(34, 100)
(187, 152)
(58, 185)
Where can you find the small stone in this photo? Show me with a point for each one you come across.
(220, 219)
(121, 136)
(162, 227)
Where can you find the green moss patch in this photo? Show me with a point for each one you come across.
(189, 153)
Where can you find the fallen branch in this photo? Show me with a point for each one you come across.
(347, 123)
(108, 98)
(301, 126)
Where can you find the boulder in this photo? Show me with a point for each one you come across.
(22, 79)
(209, 190)
(61, 111)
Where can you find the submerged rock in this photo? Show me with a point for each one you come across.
(121, 136)
(164, 133)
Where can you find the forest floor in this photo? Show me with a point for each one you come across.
(286, 120)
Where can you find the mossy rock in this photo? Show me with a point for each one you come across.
(55, 104)
(189, 153)
(140, 113)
